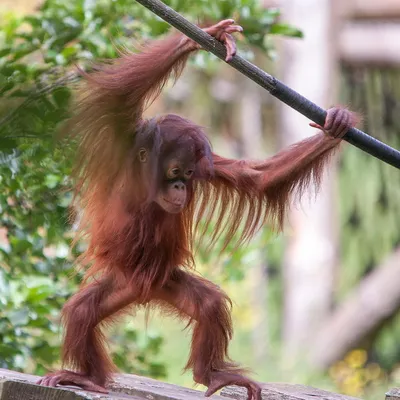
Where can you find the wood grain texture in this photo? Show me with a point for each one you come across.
(284, 391)
(393, 394)
(18, 386)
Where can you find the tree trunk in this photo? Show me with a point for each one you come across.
(252, 147)
(375, 300)
(310, 255)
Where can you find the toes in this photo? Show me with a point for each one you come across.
(74, 379)
(92, 387)
(250, 395)
(54, 380)
(256, 393)
(44, 381)
(253, 391)
(213, 388)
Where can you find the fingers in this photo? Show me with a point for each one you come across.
(230, 46)
(343, 126)
(338, 122)
(330, 117)
(224, 23)
(233, 29)
(220, 26)
(222, 31)
(314, 125)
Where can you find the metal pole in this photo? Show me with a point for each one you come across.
(278, 89)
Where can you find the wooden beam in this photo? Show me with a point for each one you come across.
(15, 385)
(370, 9)
(388, 9)
(370, 43)
(284, 391)
(393, 394)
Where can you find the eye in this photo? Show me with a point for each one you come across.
(189, 173)
(173, 173)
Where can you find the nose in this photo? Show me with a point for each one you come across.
(179, 186)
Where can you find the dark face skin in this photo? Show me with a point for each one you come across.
(176, 171)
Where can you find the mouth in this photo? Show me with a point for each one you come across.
(177, 206)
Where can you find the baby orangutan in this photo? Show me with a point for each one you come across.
(143, 185)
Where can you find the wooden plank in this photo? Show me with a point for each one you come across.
(284, 391)
(18, 386)
(11, 390)
(153, 389)
(370, 43)
(393, 394)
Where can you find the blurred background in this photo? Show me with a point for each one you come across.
(318, 304)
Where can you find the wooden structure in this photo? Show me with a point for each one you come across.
(17, 386)
(369, 31)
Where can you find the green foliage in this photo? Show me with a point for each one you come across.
(37, 55)
(28, 320)
(370, 211)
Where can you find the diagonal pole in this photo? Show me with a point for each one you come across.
(278, 89)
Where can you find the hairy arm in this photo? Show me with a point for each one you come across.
(112, 99)
(275, 180)
(136, 79)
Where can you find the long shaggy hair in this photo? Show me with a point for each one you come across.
(124, 230)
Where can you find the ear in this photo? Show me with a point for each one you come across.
(204, 169)
(142, 155)
(205, 163)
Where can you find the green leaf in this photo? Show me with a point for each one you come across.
(18, 317)
(7, 144)
(5, 51)
(62, 96)
(286, 30)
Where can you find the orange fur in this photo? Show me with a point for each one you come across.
(138, 253)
